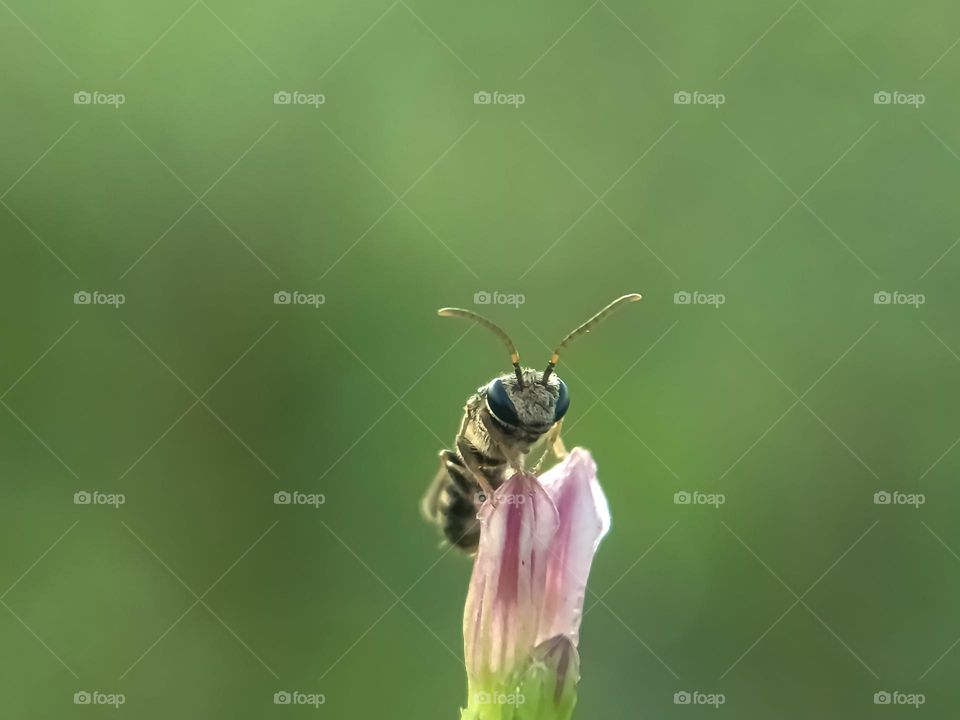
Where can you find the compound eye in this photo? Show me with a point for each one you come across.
(563, 402)
(500, 404)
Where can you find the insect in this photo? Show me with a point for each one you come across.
(502, 422)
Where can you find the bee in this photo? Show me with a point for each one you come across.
(502, 422)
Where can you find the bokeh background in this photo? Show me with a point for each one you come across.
(198, 198)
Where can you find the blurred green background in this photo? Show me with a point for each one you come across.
(198, 198)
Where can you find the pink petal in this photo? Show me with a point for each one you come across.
(506, 592)
(584, 520)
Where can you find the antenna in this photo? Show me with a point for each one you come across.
(585, 328)
(494, 328)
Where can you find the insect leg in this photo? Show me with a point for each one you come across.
(514, 461)
(559, 449)
(455, 470)
(469, 457)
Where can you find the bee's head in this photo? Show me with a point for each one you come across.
(529, 398)
(532, 404)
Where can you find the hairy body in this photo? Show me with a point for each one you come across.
(488, 448)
